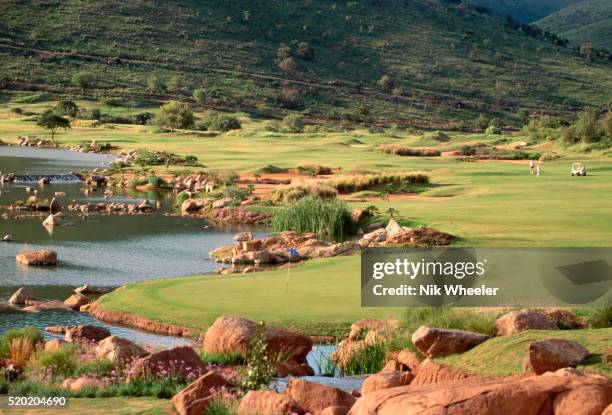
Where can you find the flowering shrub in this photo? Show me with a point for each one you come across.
(260, 366)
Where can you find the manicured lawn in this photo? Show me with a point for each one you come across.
(503, 356)
(104, 406)
(323, 298)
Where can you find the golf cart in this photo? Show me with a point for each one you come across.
(578, 169)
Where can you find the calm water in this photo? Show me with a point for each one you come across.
(99, 250)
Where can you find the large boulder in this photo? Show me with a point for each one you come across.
(119, 350)
(313, 397)
(234, 334)
(86, 333)
(517, 321)
(76, 301)
(335, 410)
(266, 402)
(37, 258)
(179, 361)
(565, 319)
(21, 296)
(385, 380)
(558, 393)
(243, 237)
(196, 397)
(554, 354)
(430, 372)
(434, 342)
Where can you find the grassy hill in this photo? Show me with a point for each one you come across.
(525, 11)
(421, 63)
(588, 21)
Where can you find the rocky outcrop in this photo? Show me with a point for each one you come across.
(37, 258)
(195, 398)
(554, 354)
(234, 334)
(558, 393)
(313, 397)
(517, 321)
(565, 319)
(266, 402)
(385, 380)
(434, 342)
(132, 320)
(86, 333)
(116, 208)
(396, 235)
(119, 350)
(21, 296)
(430, 372)
(179, 361)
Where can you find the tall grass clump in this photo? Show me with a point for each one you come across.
(368, 359)
(29, 334)
(400, 150)
(601, 318)
(296, 191)
(313, 169)
(313, 214)
(358, 182)
(449, 318)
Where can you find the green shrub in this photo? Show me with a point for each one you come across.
(261, 367)
(213, 120)
(157, 182)
(68, 108)
(493, 129)
(313, 169)
(292, 123)
(294, 192)
(58, 362)
(601, 318)
(409, 151)
(366, 360)
(96, 368)
(450, 318)
(312, 214)
(31, 333)
(181, 197)
(222, 359)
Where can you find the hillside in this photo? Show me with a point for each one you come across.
(525, 11)
(422, 63)
(588, 21)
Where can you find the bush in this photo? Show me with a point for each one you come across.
(58, 362)
(409, 151)
(157, 182)
(313, 214)
(601, 318)
(368, 359)
(174, 115)
(213, 120)
(143, 118)
(493, 129)
(200, 95)
(181, 197)
(313, 169)
(67, 108)
(260, 366)
(33, 335)
(292, 123)
(357, 182)
(294, 192)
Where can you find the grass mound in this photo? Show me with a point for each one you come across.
(503, 356)
(270, 169)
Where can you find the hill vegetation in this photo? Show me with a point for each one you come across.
(588, 21)
(525, 11)
(419, 63)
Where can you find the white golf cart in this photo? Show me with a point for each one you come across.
(578, 169)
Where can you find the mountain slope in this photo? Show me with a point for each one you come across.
(525, 11)
(418, 62)
(588, 21)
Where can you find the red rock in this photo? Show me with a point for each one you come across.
(434, 342)
(54, 344)
(534, 395)
(430, 372)
(119, 350)
(554, 354)
(21, 296)
(565, 319)
(385, 380)
(408, 359)
(194, 399)
(293, 369)
(86, 333)
(179, 361)
(133, 320)
(266, 402)
(517, 321)
(583, 400)
(39, 258)
(314, 397)
(76, 301)
(335, 410)
(234, 334)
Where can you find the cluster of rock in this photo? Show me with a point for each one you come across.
(112, 207)
(91, 147)
(219, 211)
(395, 234)
(278, 249)
(7, 177)
(33, 141)
(78, 300)
(195, 183)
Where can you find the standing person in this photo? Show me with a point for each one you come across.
(531, 167)
(538, 170)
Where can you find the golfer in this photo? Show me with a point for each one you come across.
(531, 167)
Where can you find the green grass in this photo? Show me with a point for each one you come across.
(446, 64)
(104, 406)
(503, 356)
(323, 298)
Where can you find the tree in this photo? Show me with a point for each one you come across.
(83, 80)
(175, 84)
(385, 82)
(52, 121)
(155, 85)
(175, 115)
(66, 108)
(293, 123)
(287, 66)
(200, 95)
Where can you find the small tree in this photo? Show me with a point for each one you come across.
(287, 66)
(155, 85)
(83, 80)
(200, 95)
(66, 108)
(52, 121)
(175, 84)
(293, 123)
(586, 126)
(385, 82)
(175, 115)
